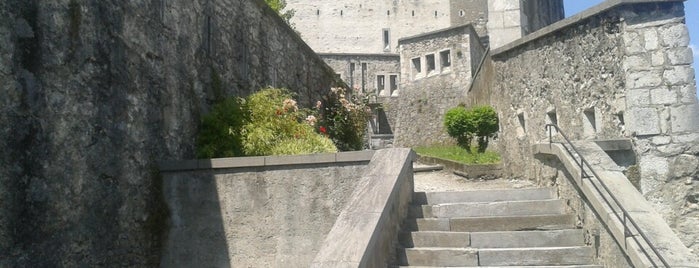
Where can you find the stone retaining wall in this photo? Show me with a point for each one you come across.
(95, 92)
(256, 211)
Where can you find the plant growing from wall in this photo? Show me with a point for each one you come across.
(279, 6)
(464, 124)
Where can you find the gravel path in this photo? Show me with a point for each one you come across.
(445, 181)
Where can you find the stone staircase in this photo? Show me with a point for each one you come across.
(492, 228)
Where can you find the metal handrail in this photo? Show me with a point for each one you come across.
(625, 217)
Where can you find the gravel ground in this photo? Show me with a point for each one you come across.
(445, 181)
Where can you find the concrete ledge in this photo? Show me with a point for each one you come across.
(641, 211)
(265, 161)
(615, 145)
(572, 20)
(363, 234)
(468, 171)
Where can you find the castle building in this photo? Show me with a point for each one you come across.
(388, 47)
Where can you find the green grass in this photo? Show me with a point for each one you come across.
(458, 154)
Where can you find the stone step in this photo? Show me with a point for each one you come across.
(536, 256)
(447, 257)
(436, 239)
(489, 209)
(488, 224)
(424, 198)
(537, 266)
(513, 239)
(464, 257)
(526, 239)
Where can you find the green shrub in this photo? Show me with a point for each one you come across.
(219, 133)
(276, 126)
(464, 124)
(344, 119)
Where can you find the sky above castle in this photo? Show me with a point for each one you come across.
(691, 8)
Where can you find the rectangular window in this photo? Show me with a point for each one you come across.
(394, 84)
(351, 75)
(590, 122)
(364, 69)
(445, 58)
(386, 40)
(380, 84)
(430, 63)
(417, 67)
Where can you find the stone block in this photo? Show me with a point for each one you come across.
(661, 140)
(650, 38)
(675, 36)
(688, 93)
(637, 98)
(496, 19)
(512, 18)
(680, 56)
(643, 121)
(232, 162)
(641, 79)
(636, 62)
(654, 167)
(526, 239)
(657, 58)
(685, 118)
(662, 96)
(633, 42)
(356, 156)
(536, 256)
(679, 75)
(684, 165)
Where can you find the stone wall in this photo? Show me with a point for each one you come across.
(616, 71)
(360, 71)
(356, 26)
(256, 211)
(511, 19)
(95, 92)
(436, 69)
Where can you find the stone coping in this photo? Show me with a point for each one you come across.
(390, 55)
(363, 233)
(572, 20)
(265, 161)
(416, 38)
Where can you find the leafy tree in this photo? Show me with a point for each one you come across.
(465, 124)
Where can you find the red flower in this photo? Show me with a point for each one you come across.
(323, 130)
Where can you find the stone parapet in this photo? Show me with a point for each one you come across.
(364, 232)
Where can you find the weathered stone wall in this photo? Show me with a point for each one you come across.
(94, 92)
(254, 216)
(474, 12)
(619, 71)
(360, 71)
(427, 94)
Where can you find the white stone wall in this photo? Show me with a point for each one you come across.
(356, 26)
(504, 22)
(662, 115)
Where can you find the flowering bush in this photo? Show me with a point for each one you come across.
(343, 119)
(277, 126)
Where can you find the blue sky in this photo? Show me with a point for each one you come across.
(691, 9)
